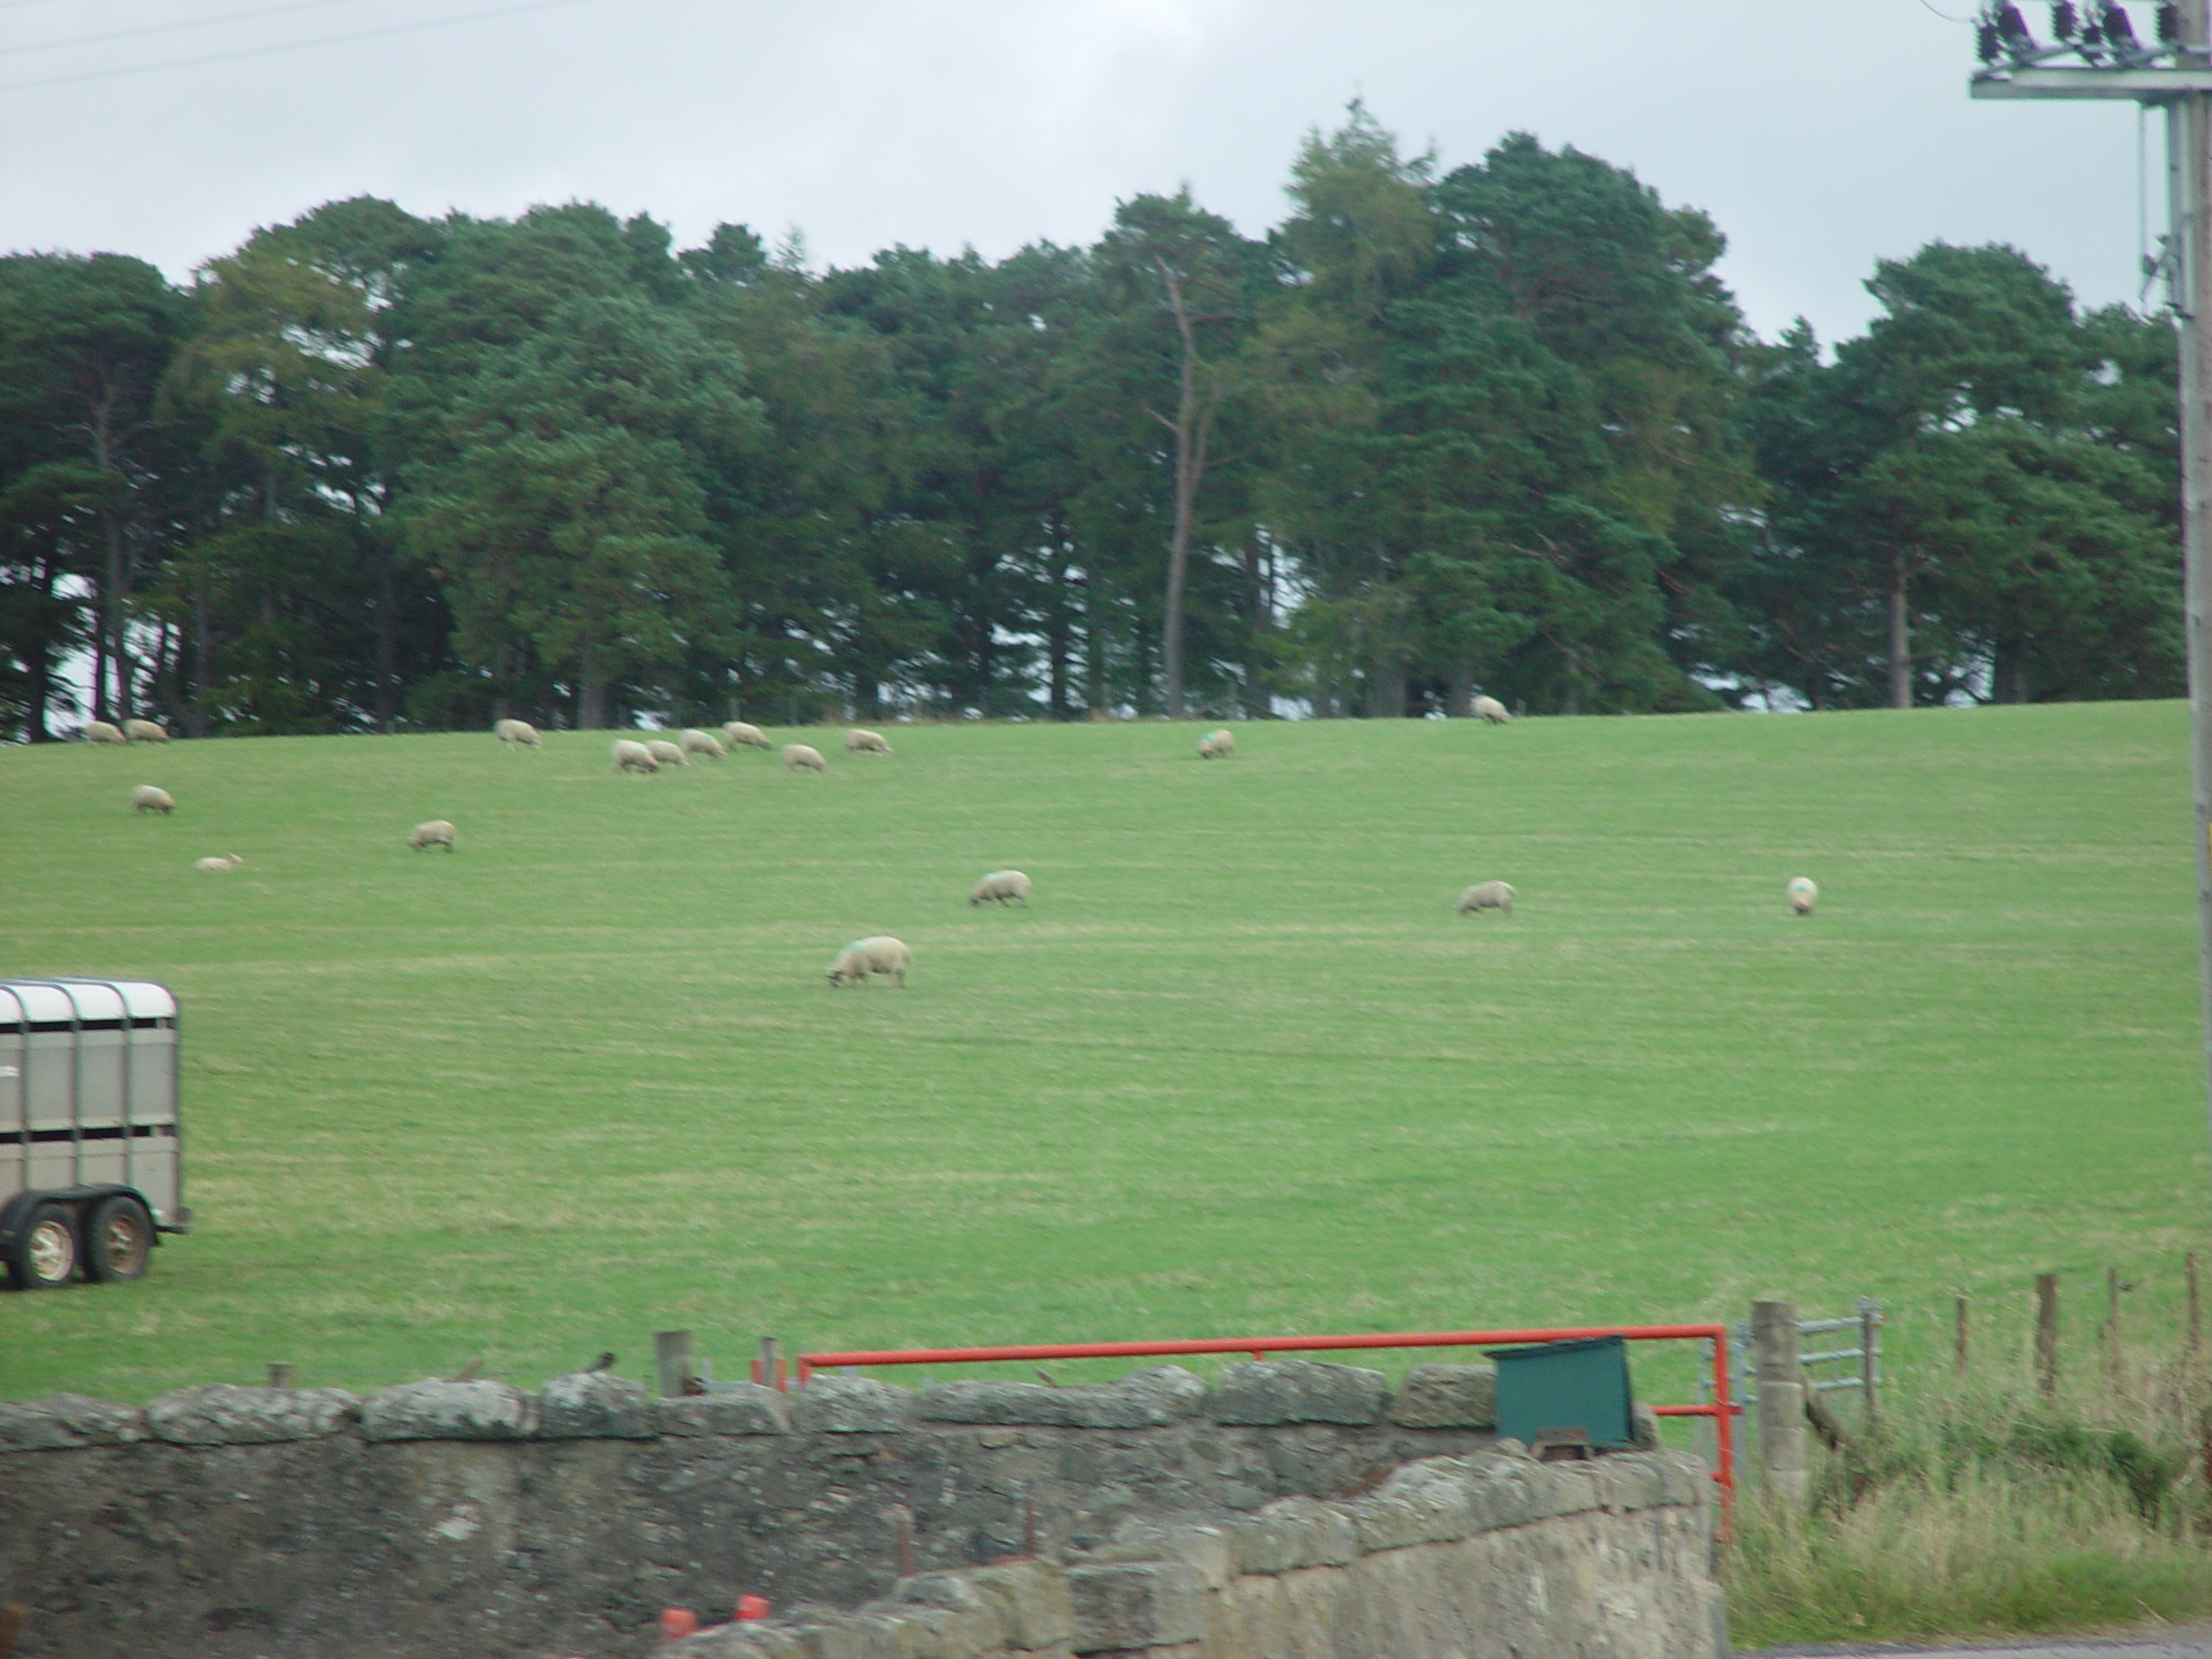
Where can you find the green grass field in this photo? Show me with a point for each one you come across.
(1239, 1069)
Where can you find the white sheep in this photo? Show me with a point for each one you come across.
(218, 866)
(144, 731)
(856, 739)
(436, 833)
(735, 731)
(799, 757)
(1803, 895)
(147, 798)
(706, 743)
(1001, 885)
(1492, 710)
(666, 753)
(516, 734)
(98, 731)
(1216, 743)
(880, 954)
(633, 757)
(1486, 895)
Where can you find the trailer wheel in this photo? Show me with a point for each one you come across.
(44, 1252)
(118, 1239)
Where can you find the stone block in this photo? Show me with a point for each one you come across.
(1644, 1428)
(1206, 1550)
(974, 1627)
(747, 1408)
(1180, 1393)
(63, 1420)
(221, 1414)
(1381, 1523)
(1136, 1604)
(1267, 1391)
(853, 1405)
(1112, 1406)
(1639, 1483)
(983, 1622)
(594, 1406)
(435, 1409)
(1322, 1534)
(1447, 1396)
(1039, 1613)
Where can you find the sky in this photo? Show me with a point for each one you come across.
(1821, 135)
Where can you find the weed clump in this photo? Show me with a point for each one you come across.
(1984, 1513)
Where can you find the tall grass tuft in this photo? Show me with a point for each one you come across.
(1985, 1511)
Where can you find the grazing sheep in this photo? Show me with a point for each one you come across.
(1216, 743)
(1001, 885)
(799, 755)
(436, 833)
(706, 743)
(1803, 895)
(98, 731)
(880, 954)
(735, 731)
(666, 753)
(218, 866)
(633, 757)
(516, 734)
(1486, 895)
(144, 731)
(856, 739)
(1492, 710)
(147, 798)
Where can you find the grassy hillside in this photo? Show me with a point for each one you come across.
(1239, 1069)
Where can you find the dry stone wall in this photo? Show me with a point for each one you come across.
(1493, 1556)
(460, 1519)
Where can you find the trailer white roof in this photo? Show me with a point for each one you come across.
(40, 1001)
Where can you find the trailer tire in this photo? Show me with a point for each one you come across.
(118, 1239)
(43, 1253)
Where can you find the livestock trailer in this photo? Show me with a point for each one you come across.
(91, 1161)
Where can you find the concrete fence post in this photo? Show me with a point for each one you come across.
(672, 1359)
(1782, 1431)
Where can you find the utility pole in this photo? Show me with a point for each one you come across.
(2173, 73)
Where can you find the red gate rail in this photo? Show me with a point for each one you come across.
(1719, 1409)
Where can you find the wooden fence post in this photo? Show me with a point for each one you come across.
(2113, 1365)
(1781, 1401)
(672, 1358)
(1959, 1326)
(2195, 1323)
(1870, 1353)
(2047, 1334)
(280, 1374)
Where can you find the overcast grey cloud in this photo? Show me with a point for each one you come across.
(1822, 135)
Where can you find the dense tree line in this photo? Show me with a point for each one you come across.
(1498, 428)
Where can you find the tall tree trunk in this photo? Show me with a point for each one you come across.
(1256, 699)
(196, 722)
(591, 706)
(38, 687)
(1460, 691)
(1192, 426)
(1093, 651)
(1900, 638)
(387, 643)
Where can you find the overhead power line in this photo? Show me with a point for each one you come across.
(170, 28)
(285, 45)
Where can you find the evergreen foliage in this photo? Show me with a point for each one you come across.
(1498, 428)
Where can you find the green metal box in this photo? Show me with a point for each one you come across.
(1579, 1385)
